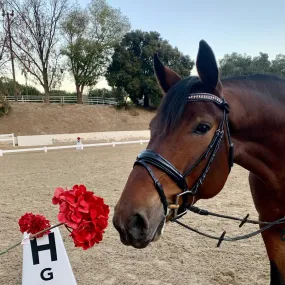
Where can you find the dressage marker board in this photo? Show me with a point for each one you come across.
(45, 261)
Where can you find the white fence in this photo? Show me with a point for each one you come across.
(94, 137)
(7, 138)
(64, 100)
(81, 146)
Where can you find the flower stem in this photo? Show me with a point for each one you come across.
(30, 237)
(44, 230)
(68, 228)
(6, 250)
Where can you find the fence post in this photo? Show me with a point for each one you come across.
(114, 144)
(1, 152)
(13, 137)
(45, 148)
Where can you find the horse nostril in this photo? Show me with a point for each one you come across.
(138, 226)
(140, 221)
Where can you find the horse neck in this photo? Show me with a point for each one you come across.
(257, 125)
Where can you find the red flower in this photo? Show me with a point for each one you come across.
(25, 222)
(69, 215)
(84, 212)
(86, 235)
(58, 191)
(33, 224)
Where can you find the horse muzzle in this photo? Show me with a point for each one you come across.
(137, 231)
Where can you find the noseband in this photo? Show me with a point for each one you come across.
(155, 159)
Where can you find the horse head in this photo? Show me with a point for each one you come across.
(188, 157)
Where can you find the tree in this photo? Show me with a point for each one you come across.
(260, 64)
(103, 93)
(4, 57)
(278, 65)
(7, 87)
(4, 104)
(35, 39)
(131, 68)
(29, 90)
(237, 64)
(91, 35)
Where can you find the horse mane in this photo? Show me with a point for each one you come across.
(170, 111)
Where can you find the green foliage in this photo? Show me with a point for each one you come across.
(103, 93)
(278, 65)
(131, 68)
(119, 94)
(7, 87)
(61, 93)
(260, 64)
(121, 97)
(234, 64)
(237, 64)
(29, 90)
(4, 104)
(90, 35)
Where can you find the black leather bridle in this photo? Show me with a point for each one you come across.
(155, 159)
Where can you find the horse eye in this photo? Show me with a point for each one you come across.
(202, 129)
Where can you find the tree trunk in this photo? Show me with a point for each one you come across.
(79, 95)
(146, 101)
(46, 98)
(46, 89)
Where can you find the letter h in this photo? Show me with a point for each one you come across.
(49, 246)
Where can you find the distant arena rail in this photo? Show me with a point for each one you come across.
(7, 138)
(69, 99)
(80, 146)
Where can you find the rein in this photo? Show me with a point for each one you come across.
(155, 159)
(222, 237)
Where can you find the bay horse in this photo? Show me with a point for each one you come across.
(203, 125)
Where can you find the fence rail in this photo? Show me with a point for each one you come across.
(63, 100)
(8, 138)
(77, 146)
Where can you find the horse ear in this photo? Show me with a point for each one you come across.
(207, 67)
(165, 76)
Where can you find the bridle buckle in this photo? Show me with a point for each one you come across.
(175, 207)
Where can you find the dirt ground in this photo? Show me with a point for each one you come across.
(180, 257)
(42, 119)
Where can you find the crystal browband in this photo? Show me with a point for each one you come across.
(205, 96)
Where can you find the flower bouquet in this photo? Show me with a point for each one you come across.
(82, 213)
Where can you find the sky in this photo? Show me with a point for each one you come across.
(243, 26)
